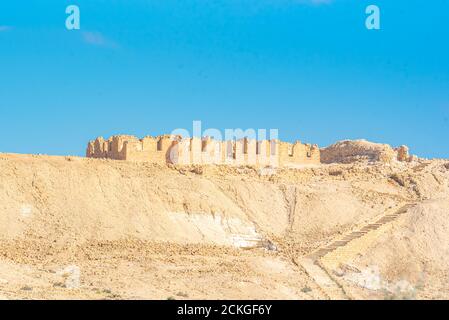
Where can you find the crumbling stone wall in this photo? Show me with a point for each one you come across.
(177, 150)
(298, 154)
(402, 153)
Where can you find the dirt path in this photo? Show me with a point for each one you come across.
(318, 264)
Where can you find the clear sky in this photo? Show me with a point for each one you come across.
(309, 68)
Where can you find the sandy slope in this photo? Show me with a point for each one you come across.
(413, 254)
(142, 231)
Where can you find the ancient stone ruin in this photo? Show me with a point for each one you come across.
(185, 151)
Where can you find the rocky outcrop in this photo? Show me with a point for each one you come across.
(349, 151)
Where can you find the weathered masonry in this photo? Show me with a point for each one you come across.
(185, 151)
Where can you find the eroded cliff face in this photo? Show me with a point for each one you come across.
(153, 223)
(81, 199)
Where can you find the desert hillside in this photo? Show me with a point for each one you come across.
(117, 229)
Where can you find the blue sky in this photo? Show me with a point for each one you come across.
(309, 68)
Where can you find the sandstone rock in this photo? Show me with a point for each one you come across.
(350, 151)
(402, 153)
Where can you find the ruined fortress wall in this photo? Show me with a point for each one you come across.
(166, 149)
(263, 153)
(113, 148)
(298, 153)
(149, 149)
(195, 150)
(250, 151)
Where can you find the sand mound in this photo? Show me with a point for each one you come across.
(74, 199)
(138, 230)
(415, 251)
(349, 151)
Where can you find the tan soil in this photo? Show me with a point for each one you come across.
(137, 230)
